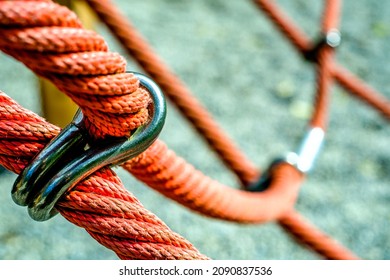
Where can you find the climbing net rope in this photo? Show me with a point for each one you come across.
(50, 40)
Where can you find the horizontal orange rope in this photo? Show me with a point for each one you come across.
(169, 174)
(100, 204)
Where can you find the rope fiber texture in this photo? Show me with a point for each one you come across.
(195, 192)
(78, 62)
(114, 104)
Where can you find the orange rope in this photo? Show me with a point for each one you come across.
(324, 62)
(100, 204)
(346, 79)
(176, 91)
(169, 174)
(78, 62)
(108, 97)
(95, 91)
(193, 190)
(306, 234)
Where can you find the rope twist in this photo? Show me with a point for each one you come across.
(50, 40)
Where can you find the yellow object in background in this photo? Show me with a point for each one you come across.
(58, 108)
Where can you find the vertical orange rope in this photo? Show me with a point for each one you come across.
(324, 61)
(299, 39)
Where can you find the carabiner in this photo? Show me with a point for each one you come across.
(71, 157)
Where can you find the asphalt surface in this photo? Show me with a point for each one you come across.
(260, 91)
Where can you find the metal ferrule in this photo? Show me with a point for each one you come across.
(310, 147)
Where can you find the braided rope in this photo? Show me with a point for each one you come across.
(189, 189)
(172, 176)
(176, 91)
(209, 197)
(100, 204)
(81, 65)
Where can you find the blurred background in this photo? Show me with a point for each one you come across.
(260, 91)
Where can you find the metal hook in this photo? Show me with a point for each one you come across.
(68, 159)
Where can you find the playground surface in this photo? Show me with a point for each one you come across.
(260, 91)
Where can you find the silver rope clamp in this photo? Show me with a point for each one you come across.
(304, 159)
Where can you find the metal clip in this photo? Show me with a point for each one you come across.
(331, 39)
(71, 157)
(303, 160)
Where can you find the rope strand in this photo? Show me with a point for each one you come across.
(100, 203)
(67, 41)
(79, 63)
(176, 91)
(100, 87)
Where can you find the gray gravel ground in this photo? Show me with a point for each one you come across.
(260, 91)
